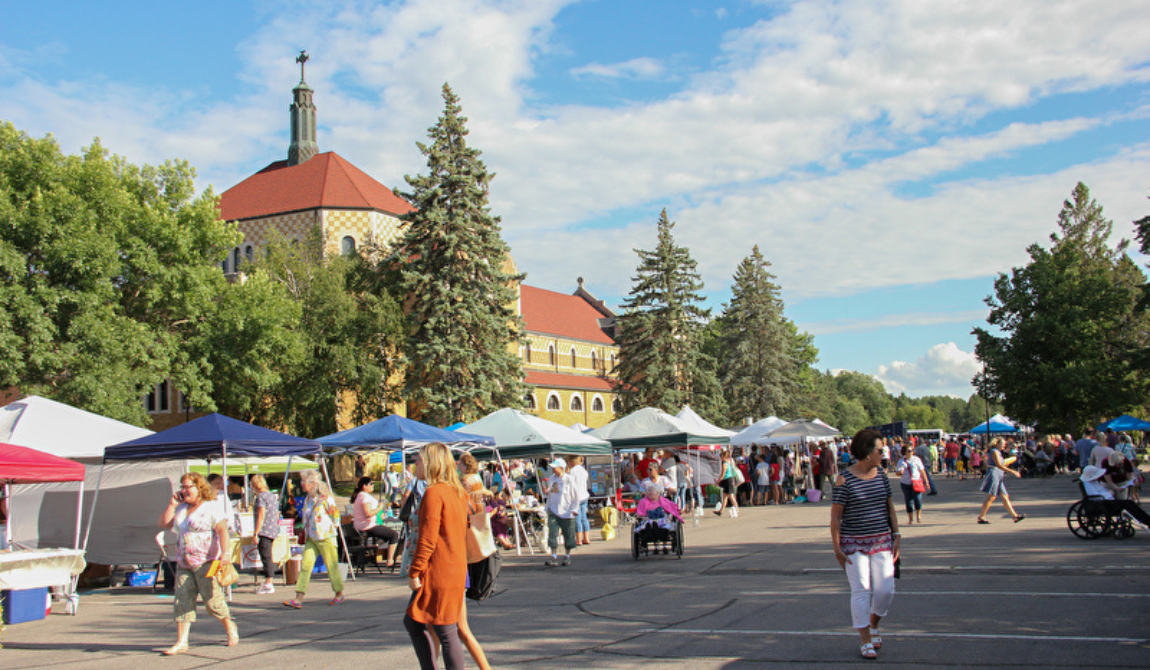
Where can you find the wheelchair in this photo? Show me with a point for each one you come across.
(649, 540)
(1093, 517)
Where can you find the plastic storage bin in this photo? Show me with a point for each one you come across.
(25, 605)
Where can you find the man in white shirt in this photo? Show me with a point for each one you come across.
(579, 476)
(562, 506)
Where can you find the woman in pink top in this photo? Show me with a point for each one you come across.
(364, 507)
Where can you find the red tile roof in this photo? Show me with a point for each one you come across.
(326, 181)
(561, 314)
(561, 380)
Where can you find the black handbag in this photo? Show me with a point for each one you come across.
(482, 575)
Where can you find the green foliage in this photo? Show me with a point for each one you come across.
(661, 358)
(463, 329)
(341, 348)
(761, 355)
(1071, 334)
(107, 270)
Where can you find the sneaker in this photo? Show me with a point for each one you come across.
(265, 589)
(551, 563)
(566, 561)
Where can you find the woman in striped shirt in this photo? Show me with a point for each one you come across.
(864, 532)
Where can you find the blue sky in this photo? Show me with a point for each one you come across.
(888, 158)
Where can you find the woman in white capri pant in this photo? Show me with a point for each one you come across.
(864, 532)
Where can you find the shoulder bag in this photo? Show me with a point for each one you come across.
(480, 542)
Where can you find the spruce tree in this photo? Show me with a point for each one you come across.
(461, 352)
(661, 360)
(758, 364)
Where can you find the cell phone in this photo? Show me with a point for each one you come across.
(179, 496)
(898, 568)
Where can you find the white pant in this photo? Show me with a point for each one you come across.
(872, 585)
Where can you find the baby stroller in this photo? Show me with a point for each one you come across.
(655, 533)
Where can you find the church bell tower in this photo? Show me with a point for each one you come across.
(303, 145)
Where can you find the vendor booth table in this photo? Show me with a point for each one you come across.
(25, 569)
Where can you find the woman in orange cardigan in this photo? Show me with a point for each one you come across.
(438, 573)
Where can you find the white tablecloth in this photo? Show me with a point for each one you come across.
(40, 567)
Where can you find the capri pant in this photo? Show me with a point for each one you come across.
(871, 577)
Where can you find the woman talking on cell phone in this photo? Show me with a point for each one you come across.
(864, 532)
(201, 528)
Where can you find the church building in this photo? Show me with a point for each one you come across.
(569, 350)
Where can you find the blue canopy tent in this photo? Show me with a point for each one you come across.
(397, 433)
(1124, 422)
(210, 436)
(216, 435)
(993, 427)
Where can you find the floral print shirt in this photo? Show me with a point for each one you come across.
(319, 518)
(196, 540)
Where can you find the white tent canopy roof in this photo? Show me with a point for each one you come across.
(700, 425)
(756, 433)
(652, 427)
(62, 430)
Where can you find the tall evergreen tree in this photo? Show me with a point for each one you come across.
(661, 360)
(757, 362)
(461, 352)
(1072, 335)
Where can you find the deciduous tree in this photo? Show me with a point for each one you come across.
(1071, 335)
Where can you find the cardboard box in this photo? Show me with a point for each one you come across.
(25, 605)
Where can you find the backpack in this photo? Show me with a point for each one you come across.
(482, 575)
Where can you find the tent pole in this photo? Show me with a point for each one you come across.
(95, 498)
(79, 515)
(339, 527)
(8, 515)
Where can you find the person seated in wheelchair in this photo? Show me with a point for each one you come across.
(1096, 488)
(656, 516)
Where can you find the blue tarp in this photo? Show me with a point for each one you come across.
(1125, 422)
(211, 436)
(397, 432)
(995, 427)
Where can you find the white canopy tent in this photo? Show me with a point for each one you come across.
(124, 533)
(756, 433)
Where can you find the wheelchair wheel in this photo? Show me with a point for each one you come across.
(1088, 523)
(679, 540)
(1123, 528)
(635, 545)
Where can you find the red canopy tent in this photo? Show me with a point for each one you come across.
(21, 465)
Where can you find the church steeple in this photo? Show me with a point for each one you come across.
(303, 145)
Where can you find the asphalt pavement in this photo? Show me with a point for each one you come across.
(759, 591)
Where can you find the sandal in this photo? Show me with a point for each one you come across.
(294, 604)
(1018, 518)
(868, 652)
(875, 639)
(982, 520)
(338, 600)
(178, 648)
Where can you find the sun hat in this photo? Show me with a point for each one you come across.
(1091, 473)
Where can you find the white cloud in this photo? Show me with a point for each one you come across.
(892, 321)
(944, 369)
(636, 68)
(800, 138)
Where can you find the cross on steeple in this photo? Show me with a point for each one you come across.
(302, 59)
